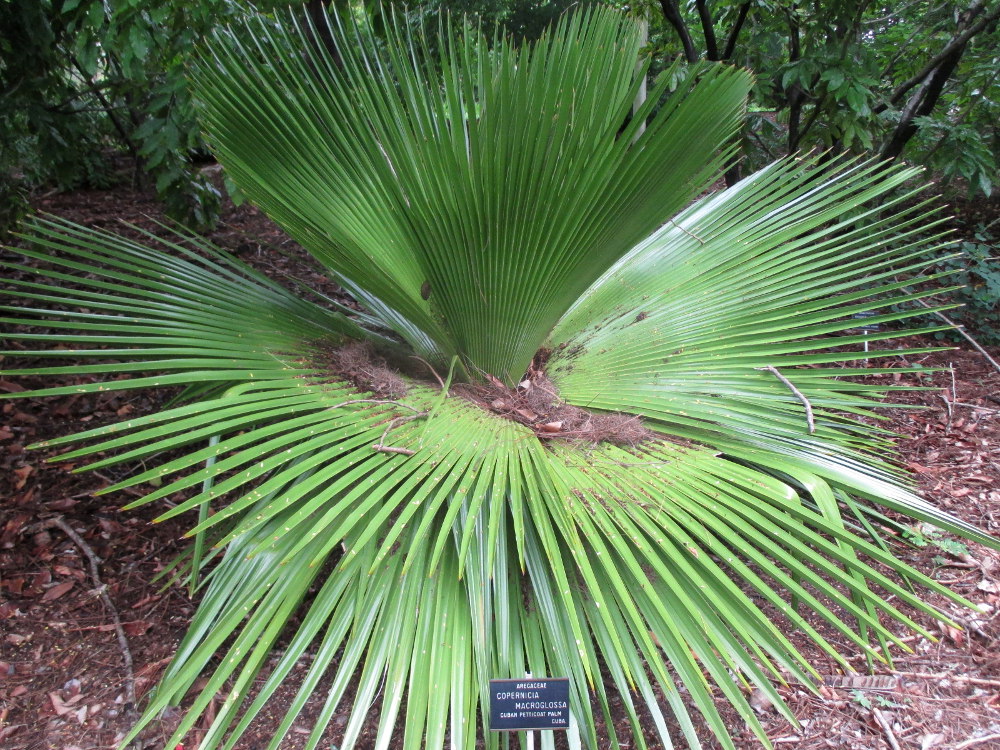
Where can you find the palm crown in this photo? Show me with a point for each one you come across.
(584, 426)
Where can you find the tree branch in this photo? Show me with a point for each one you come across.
(109, 109)
(794, 95)
(957, 42)
(906, 48)
(672, 13)
(707, 27)
(960, 118)
(318, 29)
(734, 32)
(814, 115)
(60, 523)
(798, 394)
(921, 104)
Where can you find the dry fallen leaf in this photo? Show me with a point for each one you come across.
(137, 627)
(147, 600)
(955, 634)
(58, 704)
(760, 701)
(58, 590)
(22, 473)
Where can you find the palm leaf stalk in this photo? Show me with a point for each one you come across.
(639, 425)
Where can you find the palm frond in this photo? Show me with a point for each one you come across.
(499, 214)
(475, 188)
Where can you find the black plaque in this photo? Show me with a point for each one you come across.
(529, 703)
(865, 326)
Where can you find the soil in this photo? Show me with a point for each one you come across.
(63, 681)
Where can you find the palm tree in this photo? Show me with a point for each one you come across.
(585, 425)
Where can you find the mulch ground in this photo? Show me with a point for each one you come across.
(62, 674)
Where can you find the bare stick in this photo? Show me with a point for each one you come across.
(798, 395)
(689, 234)
(886, 729)
(952, 678)
(947, 403)
(102, 589)
(976, 741)
(977, 407)
(962, 332)
(379, 448)
(431, 368)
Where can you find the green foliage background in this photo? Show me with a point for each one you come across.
(81, 80)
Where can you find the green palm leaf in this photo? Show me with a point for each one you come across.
(500, 197)
(679, 443)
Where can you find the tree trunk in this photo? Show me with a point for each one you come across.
(921, 104)
(734, 33)
(672, 13)
(320, 35)
(935, 75)
(794, 95)
(708, 28)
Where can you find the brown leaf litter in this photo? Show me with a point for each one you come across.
(358, 363)
(535, 403)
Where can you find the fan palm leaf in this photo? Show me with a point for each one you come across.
(640, 462)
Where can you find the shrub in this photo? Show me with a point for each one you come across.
(582, 427)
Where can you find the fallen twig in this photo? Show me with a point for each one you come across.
(381, 447)
(378, 447)
(952, 678)
(798, 394)
(977, 741)
(947, 404)
(59, 523)
(962, 333)
(431, 368)
(977, 407)
(689, 234)
(886, 729)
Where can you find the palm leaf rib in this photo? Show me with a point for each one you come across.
(500, 216)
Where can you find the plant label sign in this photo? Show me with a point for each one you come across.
(865, 326)
(529, 703)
